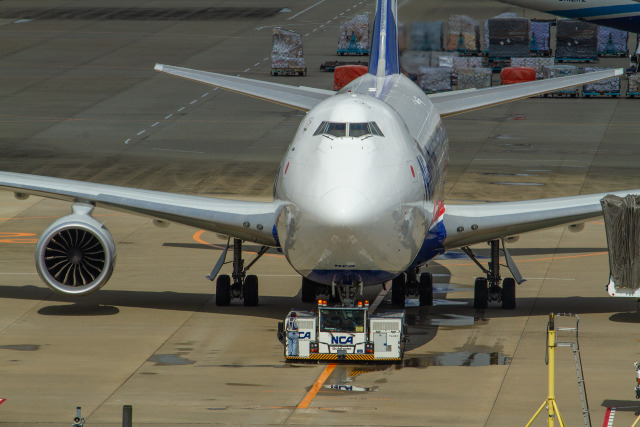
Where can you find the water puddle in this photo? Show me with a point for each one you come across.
(457, 358)
(518, 183)
(169, 360)
(21, 347)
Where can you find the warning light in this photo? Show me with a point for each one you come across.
(366, 303)
(320, 302)
(360, 304)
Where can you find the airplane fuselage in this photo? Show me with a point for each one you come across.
(620, 14)
(362, 184)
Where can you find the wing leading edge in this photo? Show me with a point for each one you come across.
(476, 223)
(300, 97)
(250, 221)
(450, 103)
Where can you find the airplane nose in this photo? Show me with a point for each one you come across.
(345, 208)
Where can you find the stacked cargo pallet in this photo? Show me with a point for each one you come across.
(576, 41)
(463, 35)
(537, 63)
(509, 37)
(287, 58)
(354, 36)
(612, 42)
(426, 35)
(554, 71)
(434, 79)
(607, 87)
(474, 78)
(634, 86)
(540, 38)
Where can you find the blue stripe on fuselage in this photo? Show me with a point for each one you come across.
(589, 12)
(432, 246)
(625, 23)
(389, 28)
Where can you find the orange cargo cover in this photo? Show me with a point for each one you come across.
(345, 74)
(510, 75)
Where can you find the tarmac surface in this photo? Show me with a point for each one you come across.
(79, 99)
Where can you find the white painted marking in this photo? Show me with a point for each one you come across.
(127, 141)
(155, 124)
(315, 29)
(181, 108)
(204, 94)
(329, 21)
(303, 11)
(256, 64)
(169, 116)
(216, 88)
(193, 102)
(307, 34)
(178, 151)
(142, 131)
(348, 9)
(16, 273)
(335, 17)
(264, 59)
(342, 14)
(611, 416)
(246, 70)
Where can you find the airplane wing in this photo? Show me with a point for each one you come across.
(250, 221)
(299, 97)
(450, 103)
(476, 223)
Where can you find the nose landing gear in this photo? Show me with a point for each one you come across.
(409, 284)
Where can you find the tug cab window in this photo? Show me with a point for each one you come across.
(356, 130)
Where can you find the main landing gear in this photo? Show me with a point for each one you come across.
(488, 288)
(409, 284)
(239, 284)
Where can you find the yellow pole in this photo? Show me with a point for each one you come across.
(551, 349)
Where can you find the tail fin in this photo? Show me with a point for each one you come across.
(384, 59)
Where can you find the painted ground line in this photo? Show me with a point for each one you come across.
(169, 116)
(127, 141)
(304, 403)
(193, 102)
(181, 108)
(305, 10)
(155, 124)
(142, 131)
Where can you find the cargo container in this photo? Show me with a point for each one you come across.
(463, 35)
(353, 36)
(478, 78)
(609, 87)
(345, 74)
(426, 35)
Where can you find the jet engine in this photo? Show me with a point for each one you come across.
(76, 254)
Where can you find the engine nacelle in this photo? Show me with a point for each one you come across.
(76, 254)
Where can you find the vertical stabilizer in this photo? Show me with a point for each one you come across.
(384, 59)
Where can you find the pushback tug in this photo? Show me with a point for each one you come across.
(347, 334)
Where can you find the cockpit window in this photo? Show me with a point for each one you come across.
(356, 130)
(337, 129)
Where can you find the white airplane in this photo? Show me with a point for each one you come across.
(358, 199)
(620, 14)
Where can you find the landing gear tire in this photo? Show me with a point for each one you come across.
(481, 293)
(508, 293)
(426, 289)
(308, 292)
(223, 290)
(398, 290)
(250, 290)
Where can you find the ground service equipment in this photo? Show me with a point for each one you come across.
(347, 334)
